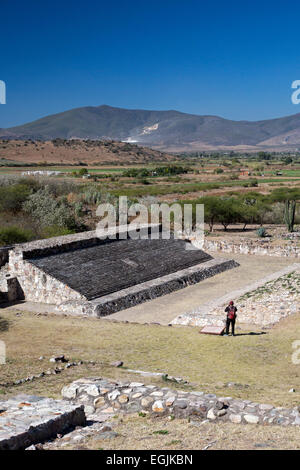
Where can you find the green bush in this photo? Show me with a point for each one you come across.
(12, 197)
(48, 211)
(82, 172)
(12, 235)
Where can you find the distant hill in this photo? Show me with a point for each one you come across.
(167, 130)
(75, 152)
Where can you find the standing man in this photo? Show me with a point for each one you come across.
(231, 316)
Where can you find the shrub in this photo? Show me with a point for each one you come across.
(93, 195)
(82, 172)
(78, 208)
(48, 211)
(12, 197)
(12, 235)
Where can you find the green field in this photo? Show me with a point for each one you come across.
(184, 188)
(292, 173)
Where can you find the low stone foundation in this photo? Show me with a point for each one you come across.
(264, 302)
(259, 247)
(103, 396)
(27, 420)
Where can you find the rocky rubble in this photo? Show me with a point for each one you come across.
(57, 370)
(272, 302)
(80, 434)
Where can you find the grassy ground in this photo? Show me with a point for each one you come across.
(292, 173)
(135, 432)
(261, 365)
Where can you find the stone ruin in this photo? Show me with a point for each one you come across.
(27, 419)
(85, 274)
(88, 403)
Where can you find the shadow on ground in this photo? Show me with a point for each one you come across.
(4, 325)
(252, 333)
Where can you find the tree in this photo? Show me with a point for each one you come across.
(228, 212)
(253, 207)
(247, 212)
(264, 156)
(82, 172)
(212, 206)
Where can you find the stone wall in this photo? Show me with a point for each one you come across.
(3, 273)
(103, 396)
(4, 256)
(253, 247)
(75, 241)
(26, 420)
(36, 285)
(263, 302)
(55, 245)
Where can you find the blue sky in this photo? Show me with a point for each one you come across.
(228, 58)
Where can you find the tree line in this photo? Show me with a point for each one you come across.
(249, 208)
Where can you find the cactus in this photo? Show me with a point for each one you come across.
(261, 232)
(289, 214)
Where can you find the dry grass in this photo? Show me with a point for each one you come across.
(263, 362)
(138, 433)
(78, 151)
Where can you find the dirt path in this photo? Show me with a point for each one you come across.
(164, 309)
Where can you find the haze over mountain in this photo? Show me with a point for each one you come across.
(167, 130)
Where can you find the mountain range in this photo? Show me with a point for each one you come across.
(164, 130)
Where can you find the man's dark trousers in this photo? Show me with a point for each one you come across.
(228, 321)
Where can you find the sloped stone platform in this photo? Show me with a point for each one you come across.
(90, 274)
(27, 420)
(126, 298)
(118, 264)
